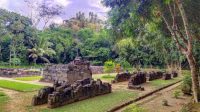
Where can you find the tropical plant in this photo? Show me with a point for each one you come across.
(41, 50)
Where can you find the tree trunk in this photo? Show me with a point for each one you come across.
(195, 76)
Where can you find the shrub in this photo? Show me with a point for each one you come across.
(186, 108)
(176, 94)
(15, 61)
(124, 64)
(109, 66)
(186, 86)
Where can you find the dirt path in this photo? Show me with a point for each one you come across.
(155, 99)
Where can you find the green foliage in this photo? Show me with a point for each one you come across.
(109, 66)
(123, 63)
(19, 86)
(15, 61)
(176, 94)
(186, 86)
(134, 108)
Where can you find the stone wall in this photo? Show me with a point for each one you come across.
(76, 70)
(12, 72)
(97, 69)
(62, 93)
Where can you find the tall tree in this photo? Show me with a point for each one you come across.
(181, 18)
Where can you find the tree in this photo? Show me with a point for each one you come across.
(181, 18)
(41, 50)
(45, 10)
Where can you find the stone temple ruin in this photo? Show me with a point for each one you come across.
(78, 69)
(63, 93)
(137, 78)
(72, 82)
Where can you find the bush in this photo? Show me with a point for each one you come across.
(186, 108)
(124, 64)
(186, 86)
(109, 66)
(15, 61)
(176, 94)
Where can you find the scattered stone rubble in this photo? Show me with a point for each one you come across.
(64, 93)
(141, 77)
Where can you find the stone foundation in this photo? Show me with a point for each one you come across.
(63, 93)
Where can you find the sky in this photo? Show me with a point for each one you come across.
(70, 8)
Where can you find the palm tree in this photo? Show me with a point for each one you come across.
(40, 50)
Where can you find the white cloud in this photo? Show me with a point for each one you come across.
(98, 4)
(4, 4)
(58, 20)
(63, 2)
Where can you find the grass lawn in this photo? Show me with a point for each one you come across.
(3, 100)
(18, 86)
(32, 78)
(161, 83)
(134, 108)
(105, 77)
(96, 104)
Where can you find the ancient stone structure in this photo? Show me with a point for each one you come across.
(64, 93)
(167, 76)
(42, 96)
(122, 77)
(138, 78)
(154, 75)
(12, 72)
(174, 74)
(97, 69)
(78, 69)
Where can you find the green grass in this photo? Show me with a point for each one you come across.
(134, 108)
(3, 100)
(96, 104)
(18, 86)
(32, 78)
(105, 77)
(161, 83)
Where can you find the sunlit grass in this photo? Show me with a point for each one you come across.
(18, 86)
(105, 77)
(32, 78)
(97, 104)
(3, 100)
